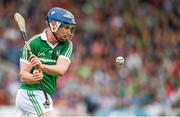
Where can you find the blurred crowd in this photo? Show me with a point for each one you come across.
(145, 32)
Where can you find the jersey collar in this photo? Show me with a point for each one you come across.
(44, 37)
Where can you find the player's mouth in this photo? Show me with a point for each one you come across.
(66, 37)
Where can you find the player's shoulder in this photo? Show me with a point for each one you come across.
(35, 38)
(69, 43)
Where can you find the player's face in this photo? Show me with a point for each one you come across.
(65, 32)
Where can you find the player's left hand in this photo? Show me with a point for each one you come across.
(35, 61)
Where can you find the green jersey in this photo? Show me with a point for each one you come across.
(48, 54)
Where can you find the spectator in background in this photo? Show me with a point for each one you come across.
(13, 45)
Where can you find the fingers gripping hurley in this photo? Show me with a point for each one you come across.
(22, 26)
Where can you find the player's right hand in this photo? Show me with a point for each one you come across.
(35, 61)
(37, 75)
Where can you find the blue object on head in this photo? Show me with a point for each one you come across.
(61, 15)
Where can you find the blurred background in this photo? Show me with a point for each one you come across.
(145, 32)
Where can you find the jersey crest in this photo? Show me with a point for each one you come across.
(58, 52)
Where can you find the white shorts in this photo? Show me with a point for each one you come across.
(30, 103)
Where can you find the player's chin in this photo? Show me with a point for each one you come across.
(62, 39)
(65, 38)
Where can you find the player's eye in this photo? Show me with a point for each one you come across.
(72, 28)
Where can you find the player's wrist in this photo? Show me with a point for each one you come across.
(42, 66)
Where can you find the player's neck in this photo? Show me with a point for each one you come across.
(50, 38)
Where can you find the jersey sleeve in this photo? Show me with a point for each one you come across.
(24, 55)
(66, 53)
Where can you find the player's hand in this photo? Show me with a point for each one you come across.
(35, 61)
(37, 75)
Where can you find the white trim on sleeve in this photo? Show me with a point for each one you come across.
(64, 57)
(24, 61)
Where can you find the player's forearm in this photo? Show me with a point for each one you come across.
(26, 77)
(55, 70)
